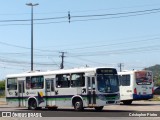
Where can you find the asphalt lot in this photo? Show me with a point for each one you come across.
(135, 106)
(109, 110)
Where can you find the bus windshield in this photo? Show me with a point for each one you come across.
(143, 78)
(107, 83)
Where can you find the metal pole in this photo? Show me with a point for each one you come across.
(32, 5)
(32, 38)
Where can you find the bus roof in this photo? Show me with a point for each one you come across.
(61, 71)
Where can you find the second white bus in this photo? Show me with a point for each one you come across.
(135, 85)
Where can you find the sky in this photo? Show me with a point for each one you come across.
(98, 33)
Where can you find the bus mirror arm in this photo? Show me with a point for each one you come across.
(56, 92)
(16, 93)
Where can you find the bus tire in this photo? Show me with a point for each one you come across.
(32, 104)
(99, 108)
(78, 105)
(127, 102)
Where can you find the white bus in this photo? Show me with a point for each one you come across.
(80, 88)
(135, 85)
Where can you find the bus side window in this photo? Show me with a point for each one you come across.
(77, 80)
(28, 82)
(125, 80)
(37, 82)
(120, 79)
(63, 80)
(12, 83)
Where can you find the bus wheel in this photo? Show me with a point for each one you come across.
(127, 102)
(99, 108)
(78, 105)
(32, 105)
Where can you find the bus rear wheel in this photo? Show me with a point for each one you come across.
(99, 108)
(32, 104)
(127, 102)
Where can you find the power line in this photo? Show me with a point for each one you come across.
(114, 15)
(119, 51)
(87, 47)
(86, 60)
(121, 13)
(100, 52)
(130, 39)
(83, 20)
(120, 43)
(22, 62)
(106, 9)
(40, 19)
(89, 10)
(11, 68)
(12, 45)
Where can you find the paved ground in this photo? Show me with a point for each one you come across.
(135, 106)
(113, 110)
(3, 101)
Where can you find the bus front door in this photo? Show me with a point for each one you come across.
(20, 93)
(50, 92)
(91, 91)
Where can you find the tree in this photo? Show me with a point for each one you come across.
(2, 85)
(156, 73)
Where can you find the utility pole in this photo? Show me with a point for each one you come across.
(31, 5)
(62, 63)
(120, 65)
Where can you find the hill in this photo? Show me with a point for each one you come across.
(156, 73)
